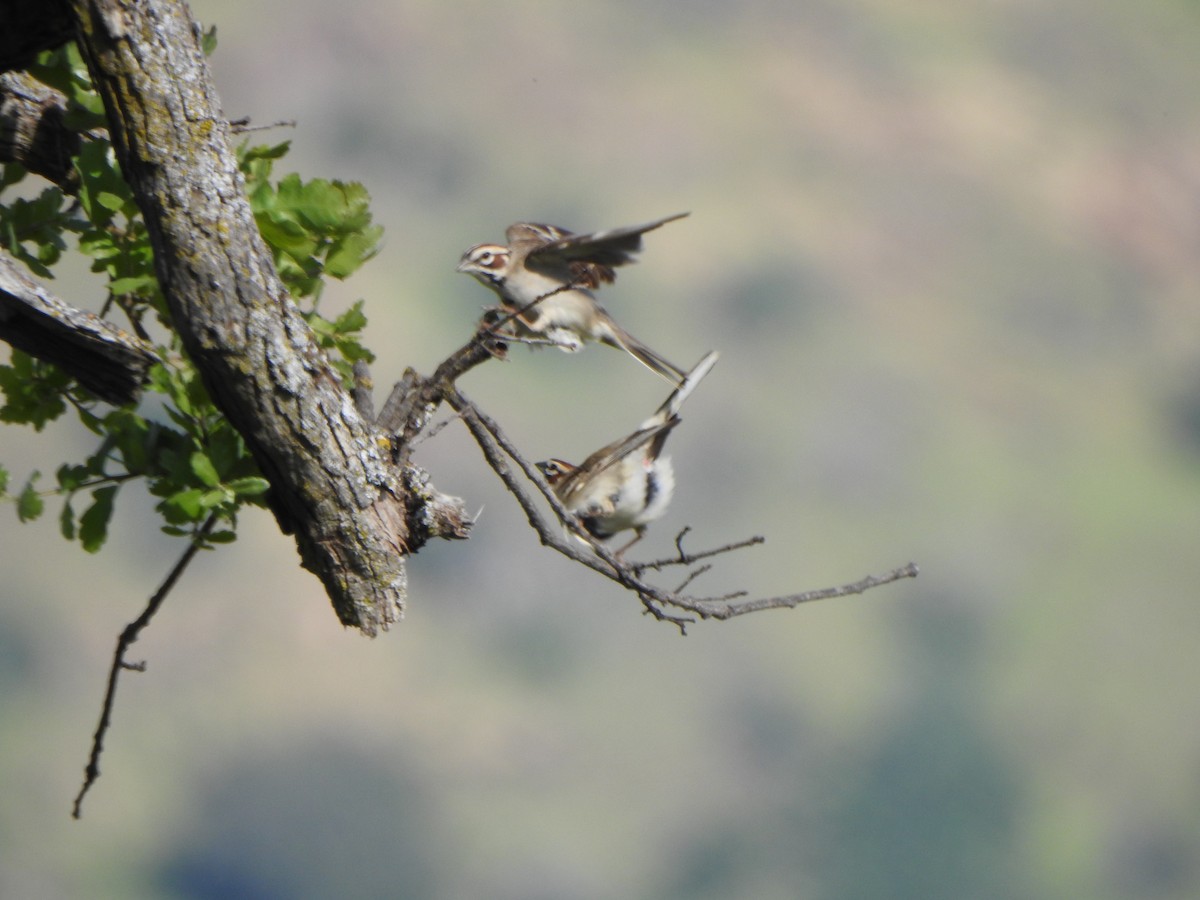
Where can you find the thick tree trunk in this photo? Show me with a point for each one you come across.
(332, 481)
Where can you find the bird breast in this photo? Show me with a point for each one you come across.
(640, 495)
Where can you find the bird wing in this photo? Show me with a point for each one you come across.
(589, 258)
(581, 481)
(534, 233)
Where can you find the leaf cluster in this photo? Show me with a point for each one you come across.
(175, 441)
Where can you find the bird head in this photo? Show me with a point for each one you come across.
(486, 262)
(554, 470)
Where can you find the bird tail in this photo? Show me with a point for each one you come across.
(615, 336)
(670, 408)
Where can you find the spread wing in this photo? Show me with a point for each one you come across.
(588, 258)
(534, 233)
(580, 482)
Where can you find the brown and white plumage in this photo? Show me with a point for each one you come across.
(546, 274)
(628, 483)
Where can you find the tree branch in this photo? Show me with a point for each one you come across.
(130, 634)
(333, 483)
(498, 450)
(33, 132)
(104, 359)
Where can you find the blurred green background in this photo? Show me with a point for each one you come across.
(950, 254)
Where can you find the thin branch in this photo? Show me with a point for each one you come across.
(414, 399)
(692, 576)
(131, 633)
(498, 450)
(709, 610)
(686, 559)
(243, 126)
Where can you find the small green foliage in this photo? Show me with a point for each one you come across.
(315, 228)
(93, 524)
(29, 502)
(208, 41)
(63, 70)
(33, 391)
(31, 230)
(187, 453)
(343, 336)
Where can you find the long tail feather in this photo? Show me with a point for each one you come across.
(670, 408)
(616, 336)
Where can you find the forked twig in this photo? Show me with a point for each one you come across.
(686, 559)
(131, 633)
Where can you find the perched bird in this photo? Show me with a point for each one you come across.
(627, 484)
(545, 275)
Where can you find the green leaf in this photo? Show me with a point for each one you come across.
(353, 351)
(29, 502)
(158, 379)
(208, 41)
(66, 520)
(110, 201)
(32, 229)
(349, 253)
(10, 174)
(175, 464)
(247, 155)
(210, 500)
(93, 524)
(352, 320)
(249, 487)
(221, 537)
(3, 480)
(102, 188)
(134, 438)
(225, 449)
(203, 468)
(321, 326)
(285, 234)
(99, 245)
(71, 477)
(33, 391)
(183, 506)
(134, 284)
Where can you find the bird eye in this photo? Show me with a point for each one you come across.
(485, 257)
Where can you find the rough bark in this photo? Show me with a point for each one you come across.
(332, 482)
(32, 132)
(109, 362)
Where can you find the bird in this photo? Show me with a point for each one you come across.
(545, 276)
(628, 483)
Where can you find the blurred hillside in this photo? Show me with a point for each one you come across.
(950, 254)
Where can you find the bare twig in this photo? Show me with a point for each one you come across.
(686, 559)
(131, 633)
(243, 126)
(692, 576)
